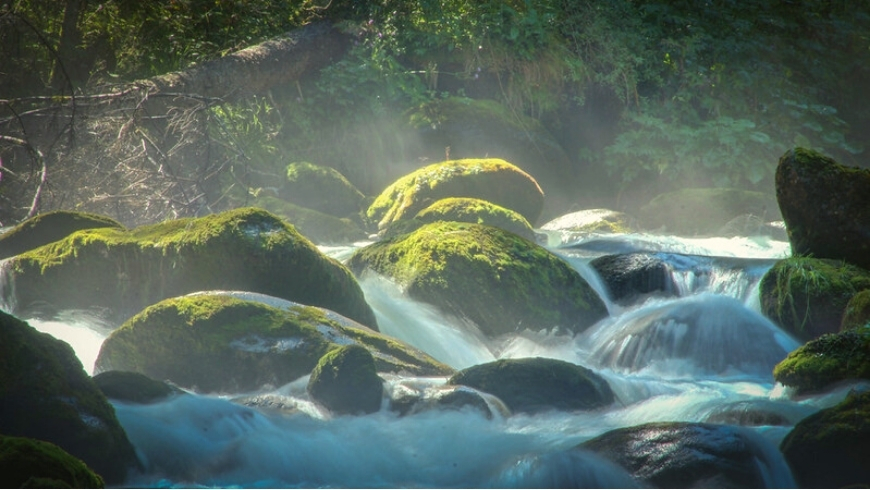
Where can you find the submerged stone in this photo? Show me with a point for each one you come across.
(491, 179)
(221, 343)
(125, 271)
(501, 282)
(826, 360)
(49, 227)
(30, 463)
(345, 381)
(45, 394)
(533, 385)
(826, 207)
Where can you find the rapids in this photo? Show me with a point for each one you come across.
(658, 367)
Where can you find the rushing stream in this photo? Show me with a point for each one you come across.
(659, 369)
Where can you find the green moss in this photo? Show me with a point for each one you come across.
(219, 343)
(499, 280)
(826, 360)
(29, 463)
(245, 249)
(346, 382)
(471, 210)
(857, 312)
(49, 227)
(807, 296)
(491, 179)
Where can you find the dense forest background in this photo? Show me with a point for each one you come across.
(643, 96)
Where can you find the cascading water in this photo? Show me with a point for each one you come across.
(702, 354)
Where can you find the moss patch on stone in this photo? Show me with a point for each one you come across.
(704, 211)
(49, 227)
(218, 343)
(322, 189)
(30, 463)
(826, 360)
(316, 226)
(346, 382)
(472, 210)
(490, 179)
(498, 280)
(45, 394)
(857, 312)
(807, 296)
(245, 249)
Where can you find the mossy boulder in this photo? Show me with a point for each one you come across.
(827, 360)
(501, 282)
(490, 179)
(705, 211)
(346, 382)
(831, 448)
(687, 455)
(857, 312)
(130, 387)
(533, 385)
(629, 276)
(470, 128)
(591, 221)
(49, 227)
(222, 343)
(316, 226)
(30, 463)
(45, 394)
(322, 189)
(471, 210)
(124, 271)
(807, 297)
(825, 205)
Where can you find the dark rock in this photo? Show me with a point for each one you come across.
(127, 386)
(47, 228)
(831, 448)
(346, 382)
(825, 361)
(29, 463)
(464, 269)
(629, 276)
(538, 384)
(45, 394)
(687, 455)
(826, 207)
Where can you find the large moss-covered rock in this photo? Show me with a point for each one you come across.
(831, 448)
(322, 189)
(502, 282)
(223, 343)
(470, 128)
(316, 226)
(346, 382)
(49, 227)
(471, 210)
(826, 206)
(689, 455)
(807, 296)
(827, 360)
(45, 394)
(857, 312)
(30, 463)
(491, 179)
(538, 384)
(246, 249)
(705, 211)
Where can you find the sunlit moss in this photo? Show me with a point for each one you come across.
(471, 210)
(49, 227)
(827, 360)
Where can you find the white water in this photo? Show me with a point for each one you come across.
(691, 364)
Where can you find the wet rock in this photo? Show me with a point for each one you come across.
(688, 455)
(322, 189)
(45, 394)
(125, 271)
(807, 297)
(491, 179)
(49, 227)
(533, 385)
(346, 382)
(825, 361)
(758, 412)
(831, 448)
(629, 276)
(704, 211)
(30, 463)
(130, 387)
(223, 343)
(826, 207)
(471, 210)
(465, 269)
(407, 401)
(269, 402)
